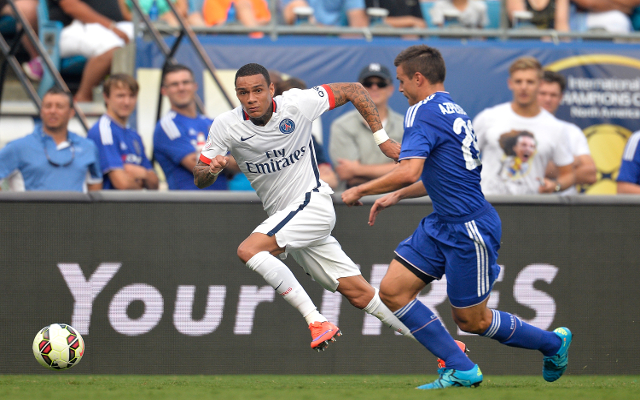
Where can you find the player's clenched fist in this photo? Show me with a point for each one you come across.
(218, 163)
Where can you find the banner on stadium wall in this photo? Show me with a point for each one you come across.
(158, 288)
(603, 95)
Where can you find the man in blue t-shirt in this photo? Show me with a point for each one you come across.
(180, 135)
(52, 158)
(461, 238)
(629, 175)
(122, 158)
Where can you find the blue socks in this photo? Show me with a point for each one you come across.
(429, 331)
(510, 330)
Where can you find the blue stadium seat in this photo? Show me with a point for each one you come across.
(7, 25)
(425, 7)
(493, 11)
(49, 32)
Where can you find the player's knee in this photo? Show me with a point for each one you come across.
(245, 252)
(391, 298)
(477, 326)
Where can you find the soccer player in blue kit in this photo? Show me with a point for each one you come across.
(460, 238)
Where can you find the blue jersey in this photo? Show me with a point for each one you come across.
(117, 145)
(175, 137)
(630, 167)
(439, 130)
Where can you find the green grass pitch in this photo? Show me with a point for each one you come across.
(309, 387)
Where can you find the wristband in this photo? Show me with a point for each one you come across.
(380, 137)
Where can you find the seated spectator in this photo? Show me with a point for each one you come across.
(402, 13)
(547, 14)
(351, 147)
(122, 158)
(249, 13)
(629, 175)
(329, 12)
(180, 135)
(29, 9)
(184, 7)
(517, 139)
(473, 13)
(609, 15)
(52, 158)
(549, 97)
(94, 29)
(325, 169)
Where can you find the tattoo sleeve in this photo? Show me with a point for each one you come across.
(358, 95)
(201, 175)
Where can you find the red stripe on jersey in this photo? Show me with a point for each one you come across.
(205, 159)
(274, 105)
(332, 100)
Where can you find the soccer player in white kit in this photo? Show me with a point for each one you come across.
(270, 139)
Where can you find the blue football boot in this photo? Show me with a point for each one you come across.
(554, 366)
(453, 378)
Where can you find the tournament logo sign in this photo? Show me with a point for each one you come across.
(603, 98)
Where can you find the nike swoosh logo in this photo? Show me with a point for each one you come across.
(247, 138)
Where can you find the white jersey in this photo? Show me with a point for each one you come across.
(278, 159)
(511, 169)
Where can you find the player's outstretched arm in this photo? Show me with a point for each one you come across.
(359, 97)
(409, 192)
(204, 175)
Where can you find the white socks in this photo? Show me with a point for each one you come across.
(377, 308)
(280, 277)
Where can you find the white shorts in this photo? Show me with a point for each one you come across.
(303, 229)
(91, 40)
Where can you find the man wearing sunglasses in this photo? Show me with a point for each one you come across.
(52, 158)
(356, 157)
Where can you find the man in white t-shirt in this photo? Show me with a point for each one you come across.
(518, 139)
(270, 139)
(549, 97)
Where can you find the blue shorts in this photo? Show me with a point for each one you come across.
(467, 252)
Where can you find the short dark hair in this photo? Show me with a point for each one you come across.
(253, 69)
(171, 68)
(58, 90)
(125, 80)
(424, 59)
(290, 83)
(555, 77)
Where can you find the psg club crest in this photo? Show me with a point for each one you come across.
(287, 126)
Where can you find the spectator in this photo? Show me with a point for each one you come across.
(329, 12)
(629, 175)
(94, 29)
(507, 171)
(250, 13)
(122, 157)
(29, 9)
(549, 97)
(184, 7)
(351, 147)
(325, 168)
(609, 15)
(473, 14)
(402, 13)
(547, 14)
(180, 135)
(52, 158)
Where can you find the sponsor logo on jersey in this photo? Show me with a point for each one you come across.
(246, 138)
(276, 161)
(287, 126)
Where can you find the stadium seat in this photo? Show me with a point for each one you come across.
(493, 11)
(425, 7)
(7, 25)
(49, 32)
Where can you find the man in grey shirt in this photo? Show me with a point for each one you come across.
(354, 153)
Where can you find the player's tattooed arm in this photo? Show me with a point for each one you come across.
(204, 175)
(358, 95)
